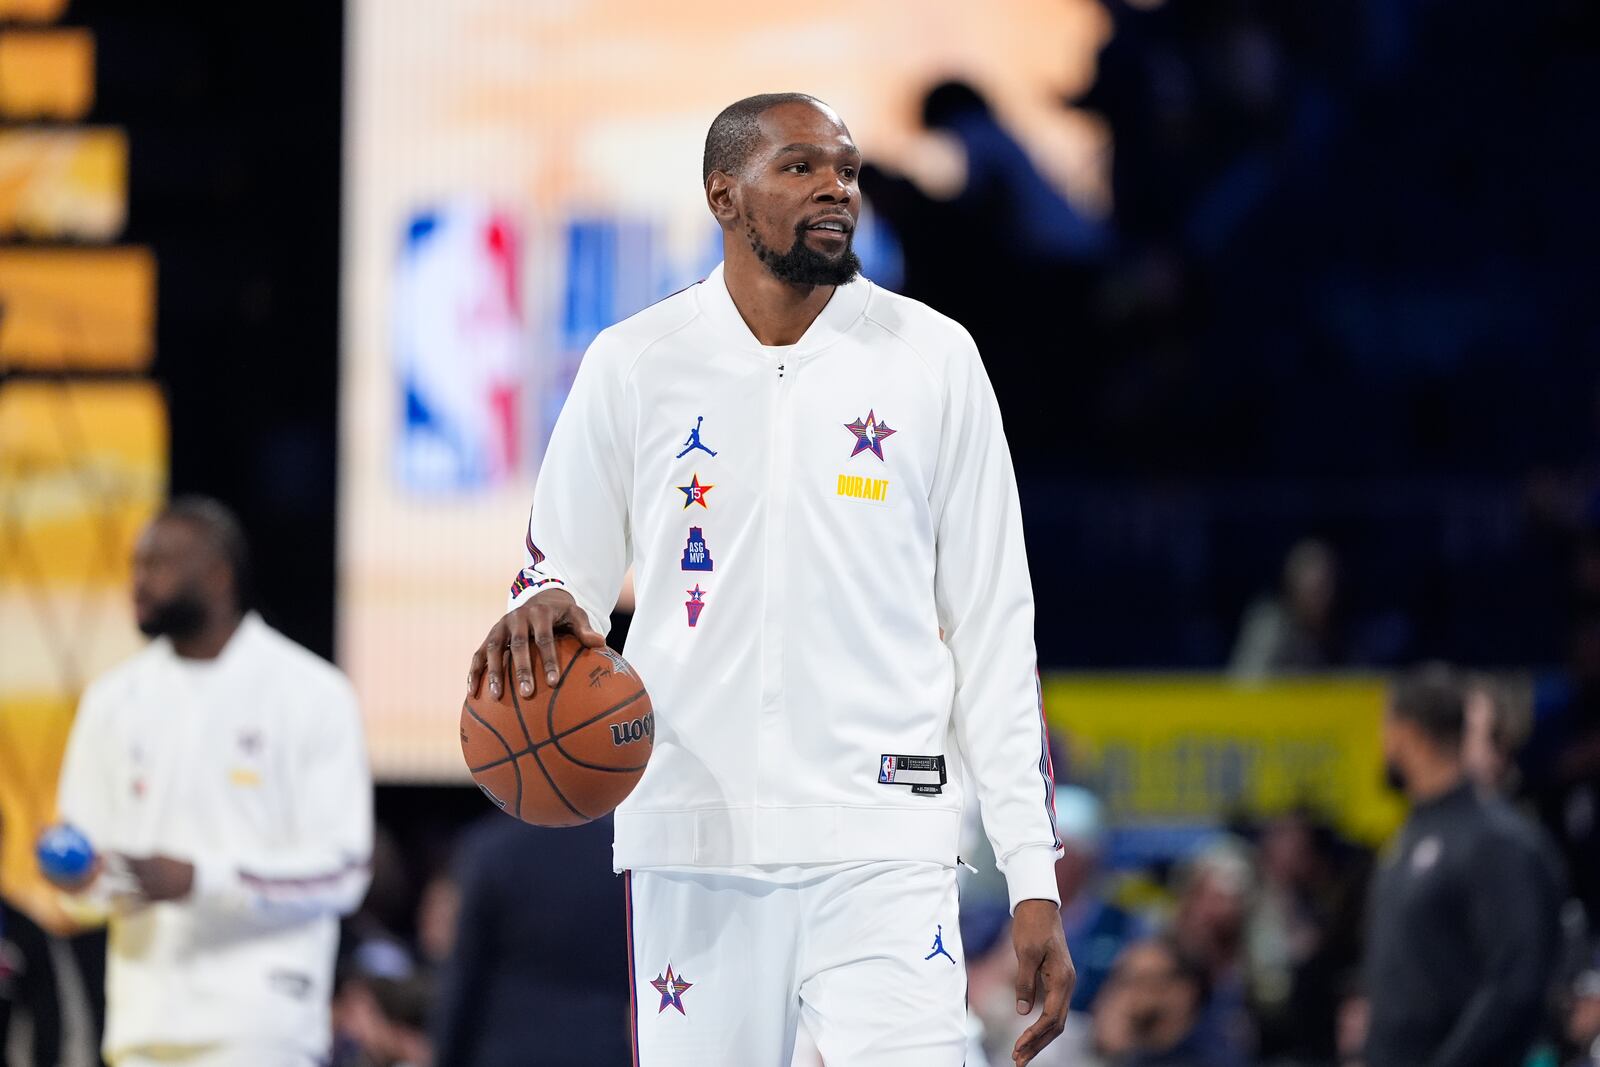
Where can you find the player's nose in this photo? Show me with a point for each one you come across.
(838, 190)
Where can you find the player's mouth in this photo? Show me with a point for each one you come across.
(840, 226)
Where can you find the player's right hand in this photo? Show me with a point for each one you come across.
(531, 623)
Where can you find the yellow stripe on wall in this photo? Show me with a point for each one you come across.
(46, 74)
(77, 309)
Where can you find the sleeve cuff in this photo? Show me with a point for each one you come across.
(1031, 875)
(600, 621)
(213, 879)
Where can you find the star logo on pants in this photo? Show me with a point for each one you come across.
(672, 988)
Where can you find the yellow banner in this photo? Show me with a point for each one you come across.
(1188, 751)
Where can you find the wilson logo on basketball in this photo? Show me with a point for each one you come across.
(626, 733)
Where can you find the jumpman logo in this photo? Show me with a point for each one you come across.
(938, 947)
(694, 441)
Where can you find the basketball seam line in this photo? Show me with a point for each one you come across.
(555, 739)
(550, 728)
(555, 789)
(516, 704)
(550, 705)
(466, 706)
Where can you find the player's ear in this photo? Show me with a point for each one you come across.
(721, 197)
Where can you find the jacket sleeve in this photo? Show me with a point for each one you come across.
(577, 535)
(1513, 924)
(325, 869)
(85, 796)
(985, 604)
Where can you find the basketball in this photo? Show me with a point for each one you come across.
(565, 755)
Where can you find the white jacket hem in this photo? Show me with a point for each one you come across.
(724, 837)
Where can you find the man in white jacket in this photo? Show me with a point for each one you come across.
(834, 619)
(221, 776)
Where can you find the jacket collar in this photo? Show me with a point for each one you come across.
(835, 320)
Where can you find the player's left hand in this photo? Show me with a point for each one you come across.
(1043, 962)
(161, 877)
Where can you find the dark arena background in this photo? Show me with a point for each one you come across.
(1290, 311)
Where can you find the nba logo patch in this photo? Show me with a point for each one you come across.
(886, 771)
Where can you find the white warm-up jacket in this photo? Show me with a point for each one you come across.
(792, 587)
(251, 766)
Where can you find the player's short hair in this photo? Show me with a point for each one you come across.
(1433, 698)
(221, 528)
(736, 130)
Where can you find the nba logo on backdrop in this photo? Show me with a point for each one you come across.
(458, 337)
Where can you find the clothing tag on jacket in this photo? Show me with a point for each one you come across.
(924, 774)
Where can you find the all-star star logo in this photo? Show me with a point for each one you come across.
(672, 988)
(869, 435)
(695, 493)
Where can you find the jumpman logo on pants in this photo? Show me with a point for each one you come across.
(694, 441)
(938, 947)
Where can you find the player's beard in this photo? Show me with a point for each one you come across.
(803, 265)
(184, 615)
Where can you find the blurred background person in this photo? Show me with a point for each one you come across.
(538, 970)
(1561, 762)
(1304, 936)
(1097, 929)
(1150, 1011)
(1298, 629)
(1463, 933)
(1581, 1029)
(1496, 727)
(221, 776)
(1216, 892)
(381, 1005)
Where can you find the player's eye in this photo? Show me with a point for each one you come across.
(798, 168)
(849, 173)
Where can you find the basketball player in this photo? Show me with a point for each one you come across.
(834, 619)
(222, 778)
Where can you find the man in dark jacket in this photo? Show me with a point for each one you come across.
(1463, 933)
(539, 973)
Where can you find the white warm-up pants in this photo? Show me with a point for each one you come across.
(725, 966)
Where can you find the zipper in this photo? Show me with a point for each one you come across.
(776, 519)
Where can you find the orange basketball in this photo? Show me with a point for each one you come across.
(568, 754)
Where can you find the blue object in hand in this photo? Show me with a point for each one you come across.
(65, 855)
